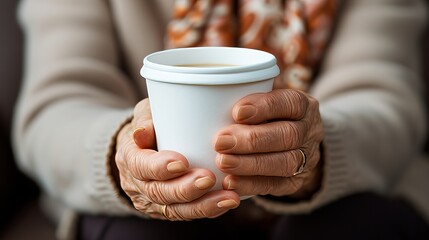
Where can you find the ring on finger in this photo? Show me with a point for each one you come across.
(303, 163)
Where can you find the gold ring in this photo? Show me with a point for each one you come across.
(164, 211)
(304, 161)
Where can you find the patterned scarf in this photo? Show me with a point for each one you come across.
(296, 35)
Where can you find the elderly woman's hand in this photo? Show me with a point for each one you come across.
(263, 153)
(161, 184)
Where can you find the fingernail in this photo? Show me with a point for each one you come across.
(138, 136)
(227, 204)
(204, 183)
(246, 112)
(225, 142)
(227, 162)
(176, 167)
(230, 185)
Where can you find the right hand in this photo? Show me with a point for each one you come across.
(153, 179)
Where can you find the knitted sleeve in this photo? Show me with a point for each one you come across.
(370, 101)
(74, 99)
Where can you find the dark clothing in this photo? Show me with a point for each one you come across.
(362, 216)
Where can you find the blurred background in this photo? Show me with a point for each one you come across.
(20, 215)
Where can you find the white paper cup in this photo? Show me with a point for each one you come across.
(191, 104)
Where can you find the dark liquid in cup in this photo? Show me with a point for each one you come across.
(206, 65)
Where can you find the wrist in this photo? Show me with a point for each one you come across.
(114, 171)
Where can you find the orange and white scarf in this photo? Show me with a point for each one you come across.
(295, 31)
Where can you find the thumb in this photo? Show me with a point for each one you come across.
(143, 130)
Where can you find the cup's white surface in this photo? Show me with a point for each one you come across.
(191, 104)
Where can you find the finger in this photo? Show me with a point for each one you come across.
(211, 205)
(279, 164)
(145, 164)
(260, 185)
(278, 104)
(186, 188)
(268, 137)
(143, 130)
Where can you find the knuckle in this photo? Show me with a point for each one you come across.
(314, 116)
(181, 194)
(140, 204)
(313, 159)
(140, 207)
(175, 214)
(134, 165)
(155, 193)
(141, 168)
(151, 169)
(127, 187)
(199, 212)
(178, 194)
(119, 158)
(317, 129)
(298, 160)
(253, 139)
(127, 153)
(303, 101)
(288, 164)
(128, 156)
(290, 135)
(298, 103)
(284, 136)
(259, 165)
(271, 102)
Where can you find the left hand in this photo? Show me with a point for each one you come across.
(161, 184)
(260, 153)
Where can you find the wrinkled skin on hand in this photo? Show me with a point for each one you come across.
(260, 152)
(152, 179)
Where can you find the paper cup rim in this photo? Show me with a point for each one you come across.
(162, 66)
